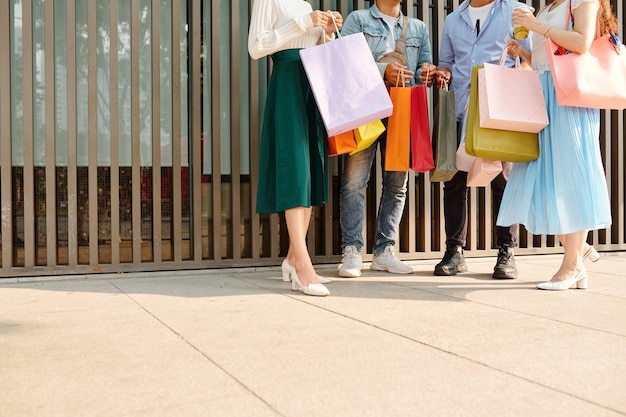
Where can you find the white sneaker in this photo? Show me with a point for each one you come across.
(387, 261)
(352, 263)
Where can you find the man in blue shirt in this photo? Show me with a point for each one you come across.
(475, 33)
(397, 43)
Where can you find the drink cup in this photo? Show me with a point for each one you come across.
(519, 31)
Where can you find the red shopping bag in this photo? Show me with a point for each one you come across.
(421, 142)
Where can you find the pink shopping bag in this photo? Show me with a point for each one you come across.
(595, 79)
(483, 171)
(511, 99)
(346, 83)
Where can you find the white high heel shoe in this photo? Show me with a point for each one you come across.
(288, 270)
(591, 253)
(311, 289)
(580, 279)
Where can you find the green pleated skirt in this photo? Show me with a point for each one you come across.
(293, 159)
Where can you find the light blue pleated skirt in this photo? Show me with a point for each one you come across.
(564, 190)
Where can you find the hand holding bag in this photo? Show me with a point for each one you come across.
(511, 98)
(595, 79)
(346, 83)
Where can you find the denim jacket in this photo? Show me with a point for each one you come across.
(370, 22)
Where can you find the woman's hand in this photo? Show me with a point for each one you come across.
(330, 28)
(320, 19)
(325, 20)
(522, 16)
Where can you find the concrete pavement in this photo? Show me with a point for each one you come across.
(241, 343)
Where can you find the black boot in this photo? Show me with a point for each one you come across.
(505, 266)
(452, 262)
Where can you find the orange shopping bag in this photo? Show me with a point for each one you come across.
(341, 143)
(398, 147)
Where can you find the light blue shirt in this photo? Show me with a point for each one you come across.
(462, 48)
(370, 22)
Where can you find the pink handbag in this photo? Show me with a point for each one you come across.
(595, 79)
(511, 98)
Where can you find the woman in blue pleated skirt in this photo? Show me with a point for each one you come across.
(564, 191)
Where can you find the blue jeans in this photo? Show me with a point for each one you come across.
(356, 174)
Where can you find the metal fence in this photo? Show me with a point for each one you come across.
(129, 136)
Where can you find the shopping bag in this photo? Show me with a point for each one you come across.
(482, 172)
(398, 143)
(511, 99)
(445, 138)
(595, 79)
(421, 142)
(346, 83)
(341, 143)
(367, 134)
(464, 161)
(494, 144)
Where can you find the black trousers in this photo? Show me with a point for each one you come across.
(455, 194)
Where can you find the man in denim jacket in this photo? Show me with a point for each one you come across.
(383, 25)
(475, 33)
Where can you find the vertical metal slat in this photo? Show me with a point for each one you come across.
(216, 145)
(28, 139)
(255, 129)
(6, 200)
(115, 135)
(72, 186)
(176, 136)
(195, 127)
(235, 131)
(135, 147)
(157, 220)
(92, 111)
(51, 216)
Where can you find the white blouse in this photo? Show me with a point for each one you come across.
(558, 18)
(281, 24)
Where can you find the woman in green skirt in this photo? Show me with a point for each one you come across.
(293, 161)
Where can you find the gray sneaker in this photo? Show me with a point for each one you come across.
(352, 263)
(387, 261)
